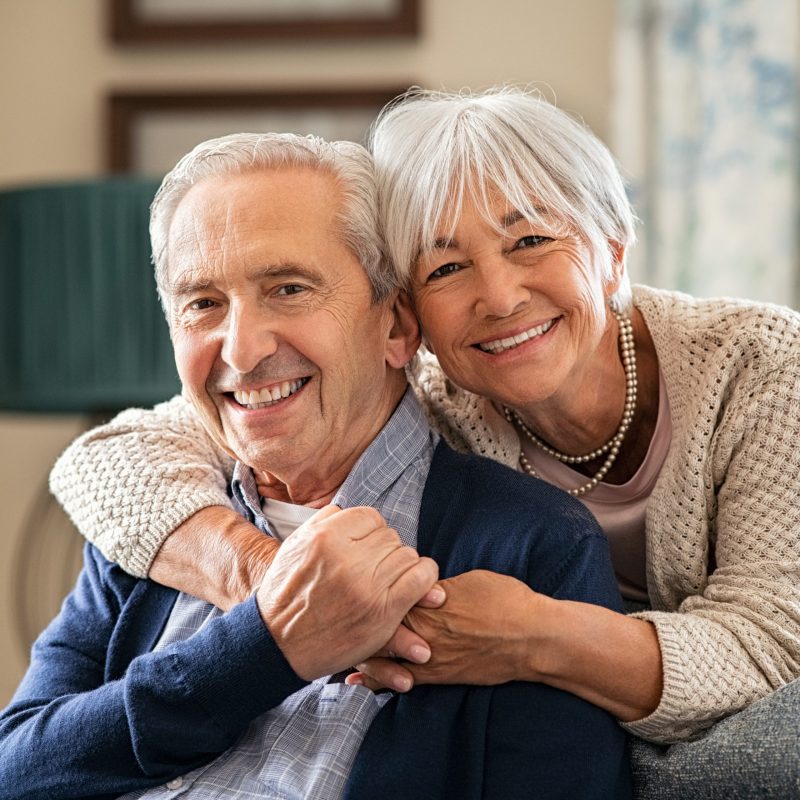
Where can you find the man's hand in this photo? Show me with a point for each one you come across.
(483, 634)
(338, 588)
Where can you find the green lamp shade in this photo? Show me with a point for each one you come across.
(81, 329)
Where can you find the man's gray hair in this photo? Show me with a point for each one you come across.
(349, 163)
(433, 148)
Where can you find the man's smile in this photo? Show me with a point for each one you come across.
(268, 395)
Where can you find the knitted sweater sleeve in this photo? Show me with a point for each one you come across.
(128, 484)
(736, 636)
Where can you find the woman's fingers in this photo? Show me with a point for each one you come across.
(406, 645)
(434, 598)
(381, 673)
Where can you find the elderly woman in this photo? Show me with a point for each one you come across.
(674, 420)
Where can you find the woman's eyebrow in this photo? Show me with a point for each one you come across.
(508, 220)
(515, 216)
(512, 218)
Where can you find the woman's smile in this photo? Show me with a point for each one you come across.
(512, 341)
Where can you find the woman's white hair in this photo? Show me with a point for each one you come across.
(349, 163)
(433, 148)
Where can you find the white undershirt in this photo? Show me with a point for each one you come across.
(285, 518)
(620, 509)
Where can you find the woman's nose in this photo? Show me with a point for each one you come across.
(501, 289)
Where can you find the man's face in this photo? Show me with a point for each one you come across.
(279, 346)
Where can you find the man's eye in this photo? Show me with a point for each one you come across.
(201, 305)
(445, 269)
(289, 289)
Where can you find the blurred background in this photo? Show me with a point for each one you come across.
(697, 99)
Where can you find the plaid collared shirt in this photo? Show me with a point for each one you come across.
(305, 747)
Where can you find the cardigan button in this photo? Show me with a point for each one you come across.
(175, 783)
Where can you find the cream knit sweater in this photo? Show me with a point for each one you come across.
(723, 522)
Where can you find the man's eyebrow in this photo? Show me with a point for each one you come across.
(191, 284)
(186, 285)
(286, 270)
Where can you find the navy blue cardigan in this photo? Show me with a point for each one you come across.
(98, 714)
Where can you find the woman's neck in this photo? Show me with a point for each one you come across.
(585, 414)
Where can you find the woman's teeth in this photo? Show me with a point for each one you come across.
(499, 345)
(266, 397)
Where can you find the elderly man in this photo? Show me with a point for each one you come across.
(290, 338)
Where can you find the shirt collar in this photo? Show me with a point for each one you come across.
(401, 440)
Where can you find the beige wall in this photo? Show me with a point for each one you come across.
(56, 65)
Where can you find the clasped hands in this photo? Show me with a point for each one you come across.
(344, 590)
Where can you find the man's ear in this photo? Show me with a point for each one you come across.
(404, 336)
(617, 252)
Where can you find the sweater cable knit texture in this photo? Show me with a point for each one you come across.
(723, 522)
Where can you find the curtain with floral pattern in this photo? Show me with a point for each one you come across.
(705, 126)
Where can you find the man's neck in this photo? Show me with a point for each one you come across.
(317, 485)
(274, 489)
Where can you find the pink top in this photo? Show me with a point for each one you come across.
(620, 509)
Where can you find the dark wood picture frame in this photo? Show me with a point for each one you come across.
(126, 109)
(130, 25)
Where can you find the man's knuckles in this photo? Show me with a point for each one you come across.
(360, 521)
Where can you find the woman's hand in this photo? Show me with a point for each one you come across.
(384, 670)
(493, 629)
(480, 635)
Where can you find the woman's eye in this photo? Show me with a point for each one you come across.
(531, 241)
(445, 269)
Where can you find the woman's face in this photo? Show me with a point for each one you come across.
(513, 314)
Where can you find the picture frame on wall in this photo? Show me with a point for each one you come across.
(141, 21)
(148, 131)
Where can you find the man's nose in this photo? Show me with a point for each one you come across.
(501, 289)
(249, 339)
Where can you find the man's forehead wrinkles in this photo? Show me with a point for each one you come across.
(229, 228)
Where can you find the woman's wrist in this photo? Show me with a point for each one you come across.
(543, 656)
(607, 658)
(251, 553)
(217, 555)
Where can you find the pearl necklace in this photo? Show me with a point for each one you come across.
(627, 348)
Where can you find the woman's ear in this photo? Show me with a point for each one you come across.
(617, 253)
(404, 335)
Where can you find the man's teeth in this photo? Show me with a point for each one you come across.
(499, 345)
(264, 397)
